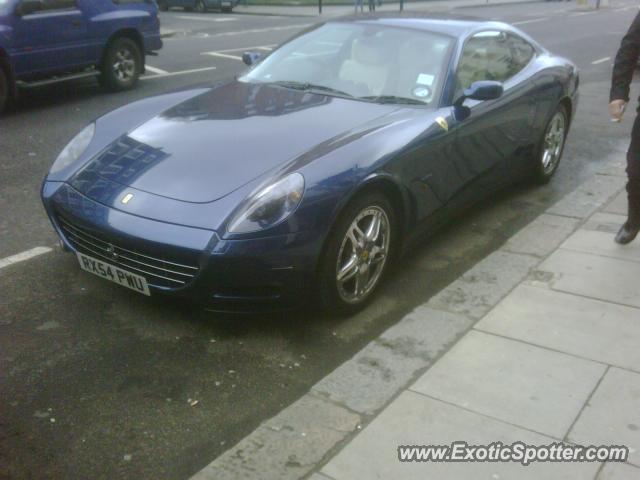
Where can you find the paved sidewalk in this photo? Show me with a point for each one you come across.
(339, 10)
(558, 358)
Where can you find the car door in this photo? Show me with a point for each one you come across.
(50, 36)
(495, 131)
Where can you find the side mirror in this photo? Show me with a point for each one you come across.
(482, 90)
(249, 58)
(26, 7)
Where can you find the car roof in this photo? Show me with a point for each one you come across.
(453, 25)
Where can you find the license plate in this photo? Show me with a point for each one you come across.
(114, 274)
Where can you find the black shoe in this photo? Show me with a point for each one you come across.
(627, 234)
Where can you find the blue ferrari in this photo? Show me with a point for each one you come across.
(309, 173)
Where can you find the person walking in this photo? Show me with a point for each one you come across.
(359, 3)
(625, 64)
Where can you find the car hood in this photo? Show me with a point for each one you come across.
(206, 147)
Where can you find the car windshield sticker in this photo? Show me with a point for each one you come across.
(421, 91)
(425, 79)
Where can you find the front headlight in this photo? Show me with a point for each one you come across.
(74, 149)
(269, 206)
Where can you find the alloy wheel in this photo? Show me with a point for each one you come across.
(363, 254)
(553, 143)
(124, 66)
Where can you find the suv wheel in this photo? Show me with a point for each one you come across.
(122, 65)
(163, 6)
(200, 7)
(4, 89)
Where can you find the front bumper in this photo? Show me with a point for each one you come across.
(227, 275)
(152, 42)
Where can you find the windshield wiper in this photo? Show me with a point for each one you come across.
(292, 84)
(322, 88)
(306, 86)
(393, 99)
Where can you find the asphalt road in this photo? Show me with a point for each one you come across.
(95, 381)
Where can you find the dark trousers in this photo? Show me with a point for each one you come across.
(633, 174)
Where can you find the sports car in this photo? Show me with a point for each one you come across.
(306, 175)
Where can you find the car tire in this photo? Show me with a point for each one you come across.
(200, 6)
(369, 259)
(163, 6)
(4, 90)
(122, 65)
(551, 146)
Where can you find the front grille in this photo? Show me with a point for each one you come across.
(159, 272)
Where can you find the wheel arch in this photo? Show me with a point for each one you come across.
(130, 33)
(568, 105)
(391, 189)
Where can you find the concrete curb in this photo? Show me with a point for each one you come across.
(304, 436)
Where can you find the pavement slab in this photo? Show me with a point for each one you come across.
(612, 416)
(370, 379)
(528, 386)
(594, 276)
(619, 204)
(600, 331)
(480, 288)
(618, 471)
(588, 197)
(413, 419)
(542, 236)
(605, 222)
(319, 476)
(601, 243)
(615, 166)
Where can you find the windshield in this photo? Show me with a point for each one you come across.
(364, 61)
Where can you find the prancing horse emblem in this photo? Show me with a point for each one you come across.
(443, 123)
(111, 251)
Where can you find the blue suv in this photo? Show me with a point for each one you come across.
(47, 41)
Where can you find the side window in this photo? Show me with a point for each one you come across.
(492, 55)
(474, 61)
(46, 5)
(521, 51)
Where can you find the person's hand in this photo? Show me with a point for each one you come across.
(616, 110)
